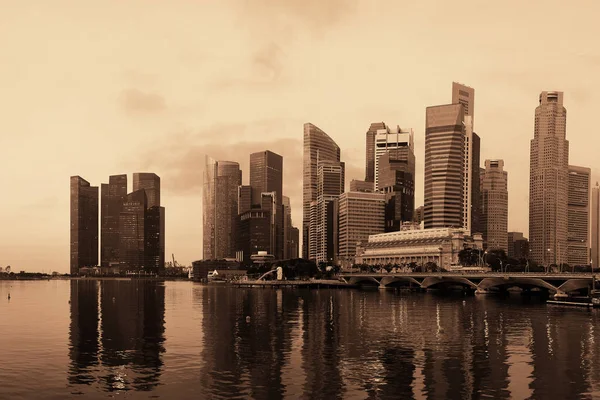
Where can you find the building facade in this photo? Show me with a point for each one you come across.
(370, 148)
(149, 182)
(518, 246)
(220, 208)
(318, 146)
(595, 226)
(398, 142)
(361, 186)
(132, 231)
(330, 185)
(84, 224)
(444, 166)
(359, 215)
(494, 190)
(255, 234)
(396, 179)
(548, 182)
(112, 196)
(578, 216)
(421, 246)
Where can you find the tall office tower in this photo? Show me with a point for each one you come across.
(452, 186)
(330, 184)
(155, 239)
(494, 191)
(155, 225)
(548, 182)
(464, 95)
(397, 141)
(294, 243)
(359, 215)
(150, 182)
(111, 201)
(220, 208)
(361, 186)
(444, 166)
(254, 234)
(84, 224)
(318, 146)
(396, 179)
(244, 198)
(132, 231)
(266, 176)
(596, 226)
(287, 228)
(268, 204)
(578, 216)
(370, 146)
(518, 246)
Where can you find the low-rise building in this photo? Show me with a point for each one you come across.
(439, 245)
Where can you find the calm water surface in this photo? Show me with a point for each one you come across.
(143, 339)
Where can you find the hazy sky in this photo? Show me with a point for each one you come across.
(95, 88)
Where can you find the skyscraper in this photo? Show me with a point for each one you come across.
(222, 180)
(84, 224)
(112, 196)
(244, 198)
(396, 179)
(132, 231)
(596, 226)
(578, 216)
(330, 184)
(494, 191)
(397, 141)
(444, 166)
(150, 182)
(318, 146)
(518, 246)
(548, 181)
(359, 215)
(266, 176)
(452, 186)
(370, 147)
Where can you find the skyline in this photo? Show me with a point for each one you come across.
(67, 100)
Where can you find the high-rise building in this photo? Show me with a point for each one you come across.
(294, 243)
(578, 216)
(399, 142)
(494, 191)
(112, 196)
(255, 234)
(596, 226)
(548, 182)
(444, 166)
(244, 198)
(361, 186)
(359, 215)
(452, 152)
(396, 178)
(222, 180)
(150, 182)
(290, 249)
(518, 246)
(84, 224)
(154, 256)
(132, 231)
(318, 146)
(370, 147)
(330, 184)
(418, 215)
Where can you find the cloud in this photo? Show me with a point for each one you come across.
(267, 61)
(179, 161)
(134, 101)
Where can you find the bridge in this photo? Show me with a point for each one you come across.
(556, 284)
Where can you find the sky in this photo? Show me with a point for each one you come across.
(98, 88)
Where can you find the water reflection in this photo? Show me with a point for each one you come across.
(117, 334)
(326, 344)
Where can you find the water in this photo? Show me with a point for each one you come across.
(143, 339)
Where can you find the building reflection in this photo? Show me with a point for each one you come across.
(117, 333)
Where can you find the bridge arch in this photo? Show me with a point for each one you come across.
(363, 281)
(572, 285)
(433, 282)
(523, 283)
(399, 281)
